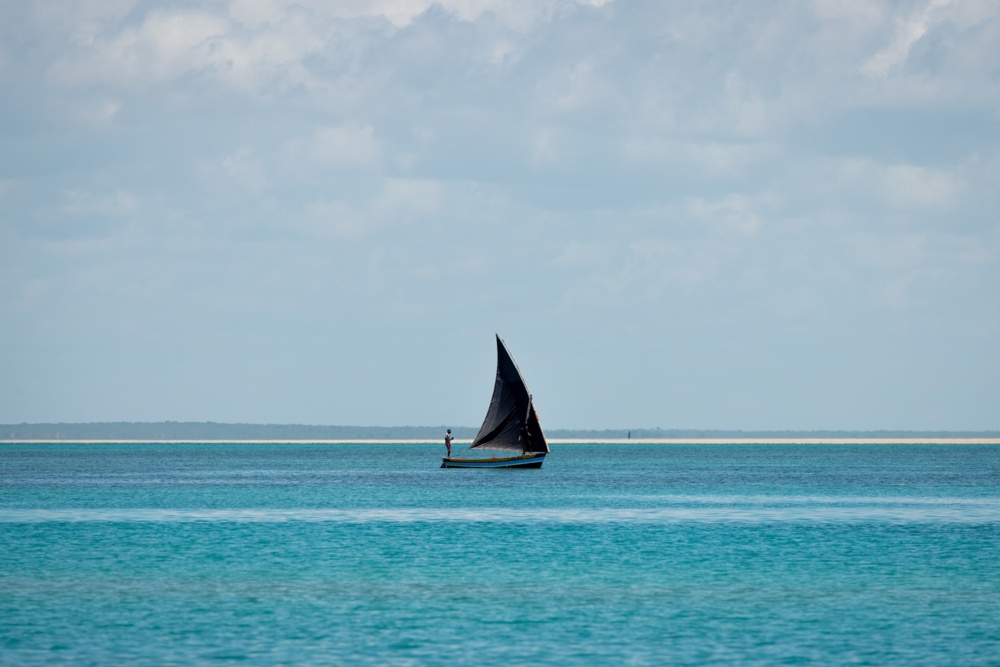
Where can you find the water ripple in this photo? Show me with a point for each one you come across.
(962, 511)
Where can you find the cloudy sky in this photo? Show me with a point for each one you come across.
(712, 214)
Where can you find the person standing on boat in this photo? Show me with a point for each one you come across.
(447, 441)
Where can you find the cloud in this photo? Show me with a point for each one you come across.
(101, 111)
(577, 254)
(935, 47)
(241, 168)
(733, 215)
(912, 271)
(909, 186)
(118, 203)
(324, 218)
(402, 198)
(518, 14)
(255, 44)
(861, 14)
(398, 202)
(908, 32)
(350, 144)
(905, 187)
(165, 46)
(726, 159)
(83, 20)
(746, 107)
(589, 174)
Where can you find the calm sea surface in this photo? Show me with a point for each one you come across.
(371, 554)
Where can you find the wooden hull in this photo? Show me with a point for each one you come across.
(523, 461)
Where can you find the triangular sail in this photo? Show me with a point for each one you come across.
(511, 422)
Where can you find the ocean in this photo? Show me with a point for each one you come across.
(269, 554)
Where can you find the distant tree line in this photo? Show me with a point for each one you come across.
(708, 434)
(171, 430)
(208, 431)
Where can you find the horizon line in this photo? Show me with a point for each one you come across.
(658, 429)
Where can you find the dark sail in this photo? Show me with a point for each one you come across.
(511, 422)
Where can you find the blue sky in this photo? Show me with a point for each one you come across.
(778, 215)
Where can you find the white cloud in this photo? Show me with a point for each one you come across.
(404, 198)
(83, 20)
(861, 14)
(255, 61)
(324, 218)
(243, 167)
(256, 43)
(517, 14)
(726, 158)
(165, 46)
(100, 111)
(748, 111)
(894, 252)
(398, 202)
(545, 151)
(909, 186)
(641, 272)
(908, 32)
(350, 144)
(731, 215)
(659, 263)
(580, 88)
(257, 13)
(83, 202)
(669, 163)
(577, 254)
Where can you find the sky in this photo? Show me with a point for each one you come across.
(704, 215)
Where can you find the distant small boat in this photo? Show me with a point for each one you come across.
(511, 422)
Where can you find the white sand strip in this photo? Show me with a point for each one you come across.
(562, 441)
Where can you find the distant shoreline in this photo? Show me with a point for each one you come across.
(245, 432)
(554, 441)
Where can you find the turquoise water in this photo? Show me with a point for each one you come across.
(646, 554)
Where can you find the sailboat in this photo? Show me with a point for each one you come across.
(511, 422)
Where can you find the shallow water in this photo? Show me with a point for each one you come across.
(371, 554)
